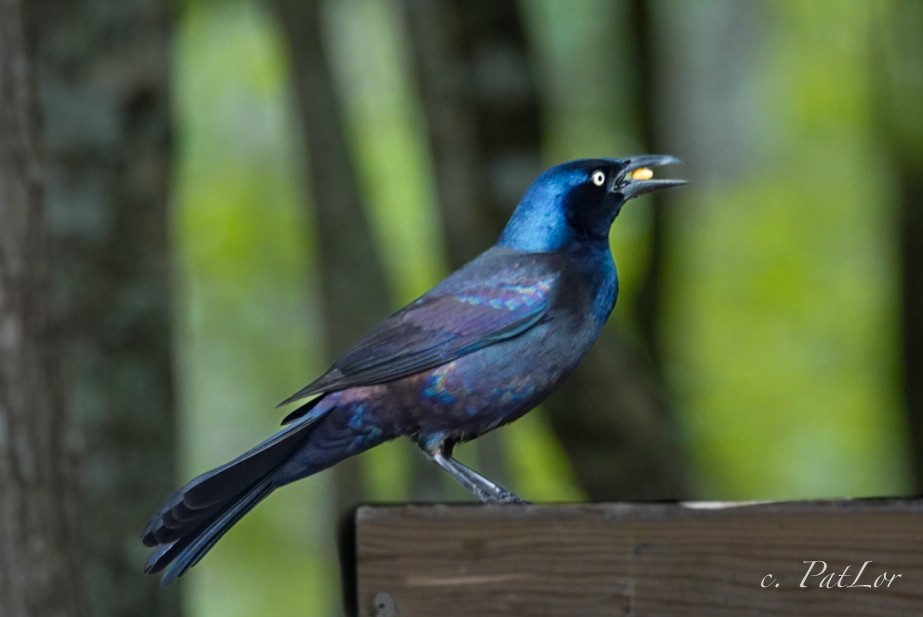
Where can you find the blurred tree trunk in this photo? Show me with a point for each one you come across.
(484, 122)
(39, 571)
(899, 47)
(615, 418)
(103, 75)
(482, 114)
(648, 298)
(355, 290)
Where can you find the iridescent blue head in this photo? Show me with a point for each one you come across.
(576, 202)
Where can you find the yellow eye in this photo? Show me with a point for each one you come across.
(598, 177)
(642, 174)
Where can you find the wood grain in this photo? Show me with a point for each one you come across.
(640, 559)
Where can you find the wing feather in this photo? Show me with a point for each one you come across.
(438, 328)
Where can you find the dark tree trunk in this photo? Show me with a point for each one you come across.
(39, 571)
(484, 123)
(648, 298)
(482, 114)
(614, 417)
(355, 292)
(103, 75)
(899, 97)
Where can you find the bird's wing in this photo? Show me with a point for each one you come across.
(436, 329)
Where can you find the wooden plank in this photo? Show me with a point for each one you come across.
(659, 559)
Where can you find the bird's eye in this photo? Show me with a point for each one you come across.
(598, 177)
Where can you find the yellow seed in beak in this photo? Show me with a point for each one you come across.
(642, 174)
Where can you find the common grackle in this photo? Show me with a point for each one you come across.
(479, 350)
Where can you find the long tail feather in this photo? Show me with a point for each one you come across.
(194, 517)
(180, 555)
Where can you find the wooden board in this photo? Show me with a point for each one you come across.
(658, 559)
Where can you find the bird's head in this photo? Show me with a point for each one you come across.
(577, 201)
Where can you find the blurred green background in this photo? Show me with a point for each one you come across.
(764, 345)
(780, 285)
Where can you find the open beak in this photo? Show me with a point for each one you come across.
(637, 178)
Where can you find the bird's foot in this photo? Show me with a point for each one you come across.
(489, 492)
(484, 490)
(507, 498)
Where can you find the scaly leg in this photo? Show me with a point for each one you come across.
(484, 490)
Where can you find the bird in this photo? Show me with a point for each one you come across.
(480, 349)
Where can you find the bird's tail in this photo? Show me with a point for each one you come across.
(198, 514)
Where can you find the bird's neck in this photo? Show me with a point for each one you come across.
(538, 225)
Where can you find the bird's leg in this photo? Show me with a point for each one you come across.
(484, 490)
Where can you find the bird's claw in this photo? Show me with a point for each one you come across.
(500, 496)
(512, 499)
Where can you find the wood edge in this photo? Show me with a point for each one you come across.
(371, 513)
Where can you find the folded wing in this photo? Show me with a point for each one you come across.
(437, 329)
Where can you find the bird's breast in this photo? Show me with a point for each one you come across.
(589, 286)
